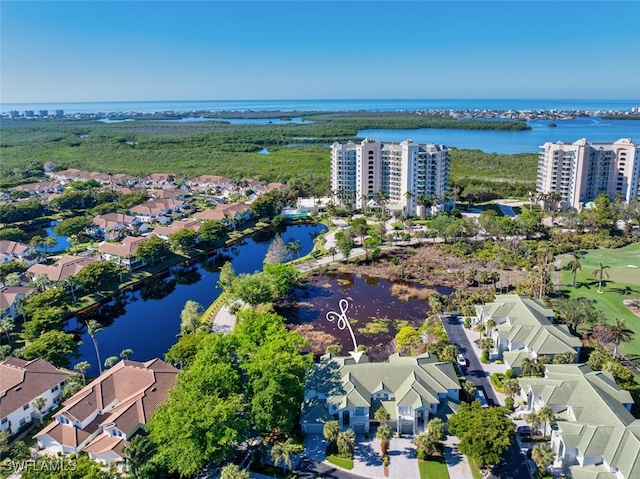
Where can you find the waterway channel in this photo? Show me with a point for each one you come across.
(147, 318)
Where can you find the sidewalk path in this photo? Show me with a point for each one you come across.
(457, 463)
(224, 321)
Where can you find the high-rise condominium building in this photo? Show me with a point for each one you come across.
(407, 173)
(580, 171)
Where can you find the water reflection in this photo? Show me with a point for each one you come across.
(150, 326)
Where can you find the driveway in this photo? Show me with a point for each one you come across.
(457, 463)
(403, 464)
(473, 370)
(315, 447)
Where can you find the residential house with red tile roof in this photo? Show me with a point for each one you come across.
(208, 182)
(164, 231)
(18, 252)
(238, 213)
(42, 188)
(113, 226)
(124, 253)
(9, 299)
(102, 417)
(20, 383)
(160, 210)
(66, 266)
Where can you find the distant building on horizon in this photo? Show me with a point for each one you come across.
(410, 174)
(580, 171)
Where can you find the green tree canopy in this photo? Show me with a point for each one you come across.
(204, 419)
(56, 347)
(485, 433)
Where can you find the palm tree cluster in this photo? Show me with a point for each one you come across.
(530, 367)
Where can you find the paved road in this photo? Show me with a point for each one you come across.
(308, 469)
(513, 465)
(473, 370)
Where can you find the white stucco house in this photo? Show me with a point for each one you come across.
(20, 383)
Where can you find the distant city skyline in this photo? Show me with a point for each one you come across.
(65, 51)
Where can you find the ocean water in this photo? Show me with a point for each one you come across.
(324, 105)
(509, 142)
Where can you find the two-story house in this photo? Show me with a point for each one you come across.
(10, 297)
(124, 253)
(411, 389)
(21, 382)
(525, 329)
(103, 416)
(66, 266)
(159, 210)
(113, 226)
(594, 435)
(14, 251)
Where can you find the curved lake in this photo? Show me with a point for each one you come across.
(508, 142)
(147, 319)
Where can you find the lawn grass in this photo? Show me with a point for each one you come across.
(341, 461)
(435, 468)
(475, 469)
(623, 283)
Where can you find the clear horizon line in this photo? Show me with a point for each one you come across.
(315, 99)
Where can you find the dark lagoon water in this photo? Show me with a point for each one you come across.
(369, 298)
(62, 242)
(508, 142)
(147, 319)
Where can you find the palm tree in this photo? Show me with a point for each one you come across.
(70, 283)
(49, 242)
(36, 241)
(282, 451)
(39, 404)
(82, 367)
(125, 353)
(490, 323)
(533, 419)
(599, 272)
(620, 333)
(527, 366)
(74, 241)
(408, 195)
(137, 453)
(423, 444)
(449, 353)
(574, 265)
(331, 430)
(382, 415)
(332, 251)
(511, 388)
(547, 416)
(384, 434)
(346, 442)
(542, 455)
(469, 389)
(231, 471)
(6, 326)
(93, 328)
(294, 247)
(110, 361)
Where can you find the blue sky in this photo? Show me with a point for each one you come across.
(162, 50)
